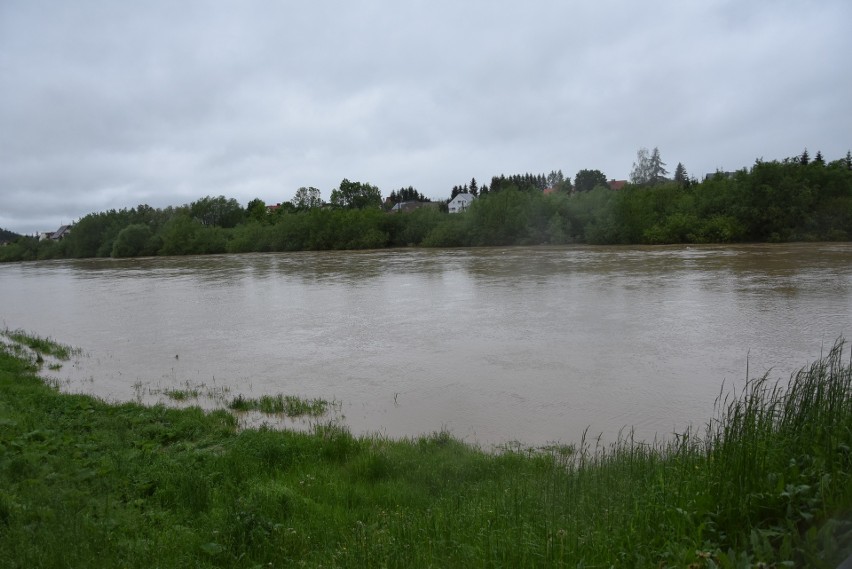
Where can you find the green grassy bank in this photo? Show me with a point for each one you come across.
(84, 483)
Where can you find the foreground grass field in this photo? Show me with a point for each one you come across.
(88, 484)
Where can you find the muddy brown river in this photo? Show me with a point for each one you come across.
(495, 345)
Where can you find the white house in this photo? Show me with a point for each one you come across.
(460, 203)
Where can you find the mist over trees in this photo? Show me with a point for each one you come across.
(794, 199)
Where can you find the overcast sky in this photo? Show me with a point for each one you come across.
(110, 104)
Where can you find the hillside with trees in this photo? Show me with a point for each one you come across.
(6, 235)
(795, 199)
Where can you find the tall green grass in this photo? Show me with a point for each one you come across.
(41, 345)
(87, 484)
(289, 405)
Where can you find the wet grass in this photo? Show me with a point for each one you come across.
(87, 484)
(216, 396)
(288, 405)
(41, 346)
(182, 394)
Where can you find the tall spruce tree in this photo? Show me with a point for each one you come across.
(680, 175)
(658, 168)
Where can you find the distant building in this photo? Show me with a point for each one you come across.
(61, 233)
(460, 203)
(58, 235)
(411, 206)
(617, 184)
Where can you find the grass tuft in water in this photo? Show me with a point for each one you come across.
(41, 346)
(288, 405)
(182, 394)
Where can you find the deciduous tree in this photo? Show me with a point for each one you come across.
(133, 241)
(219, 211)
(640, 174)
(256, 210)
(307, 198)
(555, 179)
(649, 168)
(356, 195)
(587, 180)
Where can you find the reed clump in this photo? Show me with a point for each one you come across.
(766, 482)
(288, 405)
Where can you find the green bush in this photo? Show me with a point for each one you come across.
(133, 241)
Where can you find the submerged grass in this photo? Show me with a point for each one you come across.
(288, 405)
(182, 394)
(41, 346)
(88, 484)
(188, 390)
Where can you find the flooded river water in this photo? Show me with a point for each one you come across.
(494, 345)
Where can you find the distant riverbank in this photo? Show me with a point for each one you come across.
(777, 202)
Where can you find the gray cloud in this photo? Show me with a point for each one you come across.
(111, 104)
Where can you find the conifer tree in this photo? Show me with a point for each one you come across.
(658, 168)
(680, 175)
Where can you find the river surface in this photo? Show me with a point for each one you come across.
(495, 345)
